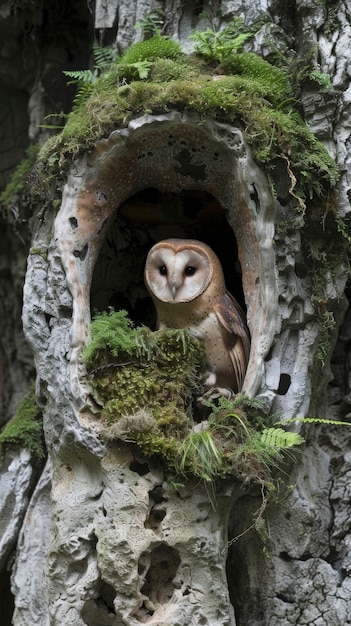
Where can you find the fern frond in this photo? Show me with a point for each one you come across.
(315, 420)
(280, 438)
(103, 56)
(82, 94)
(79, 76)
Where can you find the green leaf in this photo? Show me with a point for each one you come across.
(280, 438)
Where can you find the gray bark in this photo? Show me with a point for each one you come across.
(100, 562)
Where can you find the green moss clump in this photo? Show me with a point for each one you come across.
(25, 428)
(16, 189)
(270, 81)
(157, 47)
(136, 62)
(134, 368)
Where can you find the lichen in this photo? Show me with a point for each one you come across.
(25, 429)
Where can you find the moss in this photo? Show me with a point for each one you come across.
(326, 252)
(157, 47)
(270, 82)
(257, 96)
(39, 252)
(145, 382)
(25, 428)
(132, 368)
(16, 189)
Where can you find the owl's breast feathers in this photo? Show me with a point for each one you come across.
(220, 325)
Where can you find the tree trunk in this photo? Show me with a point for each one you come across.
(98, 535)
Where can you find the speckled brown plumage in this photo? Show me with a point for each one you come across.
(186, 282)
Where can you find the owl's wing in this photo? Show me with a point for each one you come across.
(232, 319)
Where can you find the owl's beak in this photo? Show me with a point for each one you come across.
(174, 288)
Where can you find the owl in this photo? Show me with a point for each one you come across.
(185, 280)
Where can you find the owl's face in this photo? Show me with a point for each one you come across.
(178, 270)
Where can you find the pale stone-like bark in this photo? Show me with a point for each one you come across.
(27, 582)
(17, 479)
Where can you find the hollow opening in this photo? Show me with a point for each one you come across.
(144, 219)
(100, 610)
(158, 587)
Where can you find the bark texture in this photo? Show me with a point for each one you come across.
(101, 538)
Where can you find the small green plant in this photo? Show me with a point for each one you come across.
(85, 79)
(25, 429)
(112, 336)
(321, 78)
(151, 24)
(315, 420)
(137, 60)
(216, 46)
(199, 454)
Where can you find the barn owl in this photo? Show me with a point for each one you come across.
(186, 282)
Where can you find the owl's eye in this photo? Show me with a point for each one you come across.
(163, 270)
(190, 270)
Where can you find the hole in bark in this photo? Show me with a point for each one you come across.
(6, 598)
(100, 610)
(81, 254)
(158, 587)
(106, 598)
(285, 598)
(141, 221)
(157, 512)
(198, 8)
(73, 222)
(139, 468)
(301, 270)
(284, 384)
(155, 518)
(188, 168)
(285, 556)
(157, 494)
(65, 312)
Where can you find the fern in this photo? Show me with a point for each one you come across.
(216, 45)
(85, 79)
(315, 420)
(142, 68)
(151, 24)
(103, 57)
(80, 76)
(280, 438)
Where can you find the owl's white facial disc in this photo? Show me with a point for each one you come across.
(177, 276)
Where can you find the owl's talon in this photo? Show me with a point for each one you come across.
(213, 394)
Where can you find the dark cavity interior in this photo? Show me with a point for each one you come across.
(144, 219)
